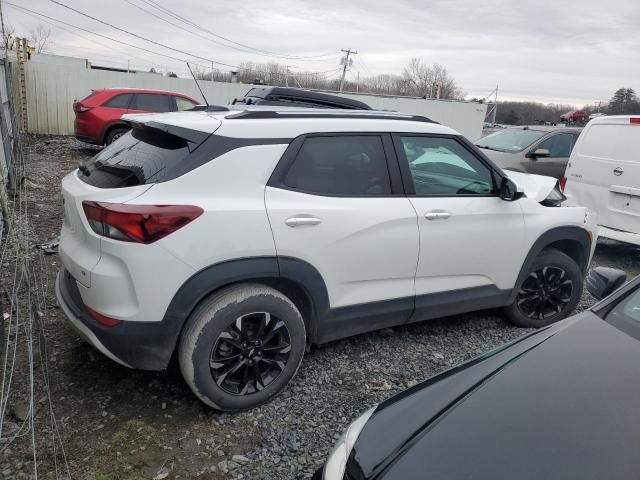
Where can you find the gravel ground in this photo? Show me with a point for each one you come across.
(119, 424)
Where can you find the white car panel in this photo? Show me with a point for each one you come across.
(603, 174)
(351, 242)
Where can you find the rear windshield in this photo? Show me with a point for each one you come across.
(141, 156)
(510, 139)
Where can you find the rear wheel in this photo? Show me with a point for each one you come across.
(242, 346)
(115, 134)
(550, 291)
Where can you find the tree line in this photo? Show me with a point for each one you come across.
(418, 79)
(623, 102)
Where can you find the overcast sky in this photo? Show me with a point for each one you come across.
(571, 51)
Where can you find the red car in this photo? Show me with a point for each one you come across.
(575, 116)
(98, 115)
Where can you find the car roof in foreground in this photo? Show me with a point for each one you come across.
(289, 122)
(551, 401)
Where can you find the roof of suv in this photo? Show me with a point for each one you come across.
(288, 122)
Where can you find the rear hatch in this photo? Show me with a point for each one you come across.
(152, 152)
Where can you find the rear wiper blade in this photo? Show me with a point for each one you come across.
(84, 169)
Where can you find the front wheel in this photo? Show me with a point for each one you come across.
(242, 346)
(550, 291)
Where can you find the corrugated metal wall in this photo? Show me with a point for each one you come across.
(51, 90)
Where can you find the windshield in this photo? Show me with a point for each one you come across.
(510, 139)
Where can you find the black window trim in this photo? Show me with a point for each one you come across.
(496, 174)
(279, 173)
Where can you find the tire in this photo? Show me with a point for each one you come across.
(539, 303)
(115, 134)
(212, 343)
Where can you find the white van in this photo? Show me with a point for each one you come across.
(603, 174)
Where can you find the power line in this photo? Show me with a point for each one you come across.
(176, 16)
(181, 60)
(94, 33)
(140, 36)
(83, 37)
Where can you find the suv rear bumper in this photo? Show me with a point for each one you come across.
(141, 345)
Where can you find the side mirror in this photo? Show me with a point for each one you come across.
(602, 281)
(539, 152)
(510, 191)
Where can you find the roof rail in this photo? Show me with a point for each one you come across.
(209, 108)
(262, 114)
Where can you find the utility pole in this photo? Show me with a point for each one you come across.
(358, 83)
(2, 25)
(346, 62)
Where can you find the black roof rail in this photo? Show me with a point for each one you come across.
(262, 114)
(209, 108)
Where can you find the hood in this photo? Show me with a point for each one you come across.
(537, 187)
(560, 403)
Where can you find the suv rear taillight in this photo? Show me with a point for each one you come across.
(138, 223)
(78, 107)
(563, 183)
(634, 120)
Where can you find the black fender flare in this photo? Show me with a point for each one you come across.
(577, 236)
(264, 269)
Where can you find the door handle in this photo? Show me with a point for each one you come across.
(300, 221)
(437, 215)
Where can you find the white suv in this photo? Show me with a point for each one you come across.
(236, 238)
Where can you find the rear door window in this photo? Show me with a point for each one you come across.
(341, 165)
(119, 101)
(152, 102)
(141, 156)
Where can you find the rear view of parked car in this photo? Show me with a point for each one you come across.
(604, 175)
(534, 149)
(98, 116)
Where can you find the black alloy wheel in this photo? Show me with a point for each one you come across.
(545, 292)
(250, 353)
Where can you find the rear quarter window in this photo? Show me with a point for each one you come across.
(616, 142)
(119, 101)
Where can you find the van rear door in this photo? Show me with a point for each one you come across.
(604, 172)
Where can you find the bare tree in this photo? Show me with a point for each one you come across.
(430, 81)
(39, 38)
(8, 37)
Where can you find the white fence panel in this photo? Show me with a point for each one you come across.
(51, 90)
